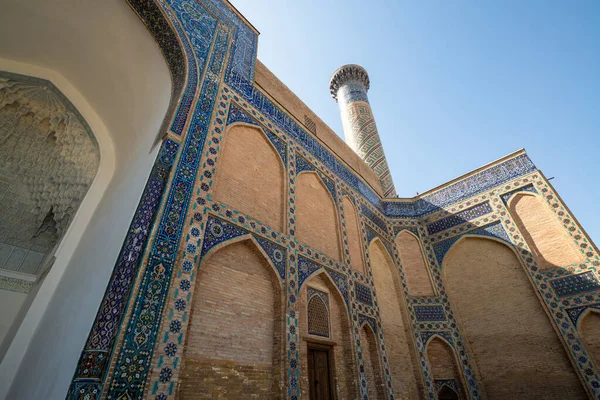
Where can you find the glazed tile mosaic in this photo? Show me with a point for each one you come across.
(142, 323)
(459, 218)
(430, 313)
(575, 284)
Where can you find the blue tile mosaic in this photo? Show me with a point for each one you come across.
(92, 366)
(236, 114)
(426, 335)
(219, 231)
(412, 229)
(352, 91)
(374, 218)
(471, 186)
(303, 165)
(495, 230)
(451, 383)
(306, 268)
(341, 281)
(528, 188)
(371, 234)
(363, 293)
(459, 218)
(575, 284)
(430, 313)
(576, 312)
(362, 319)
(143, 326)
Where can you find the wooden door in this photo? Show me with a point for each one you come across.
(318, 374)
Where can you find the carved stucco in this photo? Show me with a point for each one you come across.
(48, 159)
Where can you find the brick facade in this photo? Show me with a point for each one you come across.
(260, 208)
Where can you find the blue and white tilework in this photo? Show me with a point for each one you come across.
(575, 284)
(430, 313)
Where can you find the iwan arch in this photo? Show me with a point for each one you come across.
(226, 243)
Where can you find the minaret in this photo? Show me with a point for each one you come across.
(348, 86)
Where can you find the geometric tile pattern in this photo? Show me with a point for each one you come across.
(493, 230)
(575, 284)
(430, 313)
(459, 218)
(468, 187)
(528, 188)
(363, 294)
(92, 366)
(236, 114)
(374, 218)
(141, 331)
(426, 335)
(369, 320)
(219, 231)
(575, 313)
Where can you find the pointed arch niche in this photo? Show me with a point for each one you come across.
(340, 338)
(316, 217)
(549, 241)
(508, 331)
(354, 237)
(235, 334)
(372, 363)
(589, 330)
(443, 364)
(413, 265)
(394, 323)
(250, 175)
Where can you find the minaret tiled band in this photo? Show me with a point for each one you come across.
(349, 86)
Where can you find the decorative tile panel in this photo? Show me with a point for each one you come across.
(236, 114)
(459, 218)
(92, 366)
(219, 231)
(475, 184)
(374, 218)
(576, 312)
(362, 319)
(363, 294)
(575, 284)
(528, 188)
(495, 230)
(426, 335)
(430, 313)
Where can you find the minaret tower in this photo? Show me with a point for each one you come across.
(349, 86)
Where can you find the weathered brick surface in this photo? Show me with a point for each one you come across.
(250, 176)
(413, 265)
(589, 328)
(317, 221)
(387, 286)
(442, 361)
(233, 347)
(547, 238)
(354, 242)
(345, 379)
(516, 350)
(372, 364)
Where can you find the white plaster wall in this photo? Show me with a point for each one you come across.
(10, 304)
(100, 55)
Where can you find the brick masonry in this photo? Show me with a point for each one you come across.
(280, 188)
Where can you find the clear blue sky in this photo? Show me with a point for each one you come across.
(454, 85)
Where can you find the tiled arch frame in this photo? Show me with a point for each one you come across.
(555, 306)
(94, 362)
